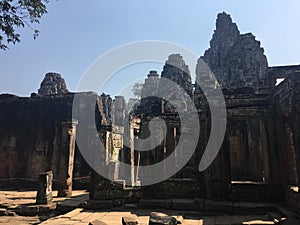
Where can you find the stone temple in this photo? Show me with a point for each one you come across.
(258, 161)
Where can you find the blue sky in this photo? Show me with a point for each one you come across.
(75, 33)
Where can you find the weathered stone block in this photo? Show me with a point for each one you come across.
(44, 192)
(2, 212)
(161, 219)
(130, 220)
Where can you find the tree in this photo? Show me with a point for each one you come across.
(137, 90)
(19, 13)
(137, 93)
(132, 103)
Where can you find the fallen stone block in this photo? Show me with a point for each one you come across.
(33, 210)
(2, 212)
(161, 219)
(130, 220)
(179, 219)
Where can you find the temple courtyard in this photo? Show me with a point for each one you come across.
(19, 207)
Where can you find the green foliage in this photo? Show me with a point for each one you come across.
(18, 13)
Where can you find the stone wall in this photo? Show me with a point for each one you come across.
(31, 134)
(286, 111)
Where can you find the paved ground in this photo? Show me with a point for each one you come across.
(15, 198)
(79, 216)
(83, 217)
(10, 200)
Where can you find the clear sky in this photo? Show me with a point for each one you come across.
(74, 33)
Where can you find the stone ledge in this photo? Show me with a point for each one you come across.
(32, 210)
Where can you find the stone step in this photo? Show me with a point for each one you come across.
(186, 204)
(34, 209)
(156, 203)
(210, 207)
(175, 188)
(248, 208)
(251, 191)
(176, 204)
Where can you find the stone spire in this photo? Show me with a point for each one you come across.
(177, 71)
(53, 84)
(237, 60)
(225, 34)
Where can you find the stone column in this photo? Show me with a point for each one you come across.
(114, 144)
(275, 158)
(170, 139)
(44, 192)
(132, 155)
(265, 148)
(290, 152)
(66, 164)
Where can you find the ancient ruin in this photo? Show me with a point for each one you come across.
(258, 161)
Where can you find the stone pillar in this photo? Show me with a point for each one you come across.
(114, 144)
(66, 164)
(44, 192)
(265, 148)
(296, 141)
(170, 140)
(276, 159)
(290, 152)
(132, 155)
